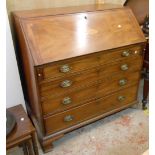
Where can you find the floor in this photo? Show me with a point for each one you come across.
(124, 133)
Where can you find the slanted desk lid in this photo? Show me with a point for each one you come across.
(54, 38)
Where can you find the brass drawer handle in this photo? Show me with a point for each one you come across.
(121, 98)
(66, 101)
(125, 53)
(124, 67)
(65, 68)
(122, 82)
(66, 83)
(68, 118)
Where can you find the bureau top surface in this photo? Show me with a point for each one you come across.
(57, 37)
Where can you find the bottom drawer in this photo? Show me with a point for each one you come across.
(76, 115)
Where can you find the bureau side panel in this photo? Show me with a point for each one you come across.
(28, 69)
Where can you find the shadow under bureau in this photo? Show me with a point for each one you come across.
(80, 64)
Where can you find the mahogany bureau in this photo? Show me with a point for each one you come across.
(80, 64)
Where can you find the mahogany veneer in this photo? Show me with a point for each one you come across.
(80, 65)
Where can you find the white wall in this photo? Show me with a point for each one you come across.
(14, 93)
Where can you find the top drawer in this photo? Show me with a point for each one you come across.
(75, 65)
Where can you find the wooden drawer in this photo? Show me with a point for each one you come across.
(131, 52)
(63, 85)
(75, 65)
(87, 111)
(88, 77)
(68, 100)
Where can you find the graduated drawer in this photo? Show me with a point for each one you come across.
(107, 86)
(92, 109)
(69, 83)
(75, 65)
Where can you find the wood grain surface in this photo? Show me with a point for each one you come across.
(54, 38)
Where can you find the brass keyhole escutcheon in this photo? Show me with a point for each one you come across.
(125, 53)
(122, 82)
(124, 67)
(67, 100)
(68, 118)
(65, 68)
(66, 83)
(121, 98)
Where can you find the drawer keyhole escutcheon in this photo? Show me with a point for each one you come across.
(65, 68)
(125, 53)
(122, 82)
(66, 83)
(68, 118)
(124, 67)
(121, 98)
(67, 100)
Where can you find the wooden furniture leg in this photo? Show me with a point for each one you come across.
(145, 89)
(25, 150)
(30, 147)
(34, 140)
(48, 144)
